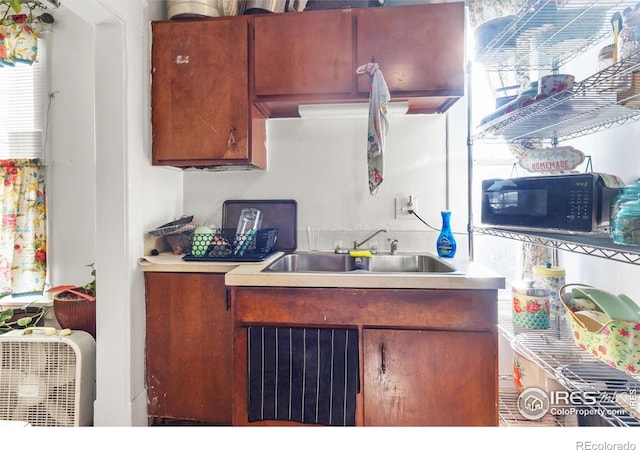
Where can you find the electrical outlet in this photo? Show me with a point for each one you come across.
(403, 205)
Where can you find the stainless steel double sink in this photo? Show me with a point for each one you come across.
(344, 263)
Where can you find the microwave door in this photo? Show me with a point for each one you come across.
(524, 204)
(521, 206)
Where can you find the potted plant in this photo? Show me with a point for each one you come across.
(23, 317)
(75, 306)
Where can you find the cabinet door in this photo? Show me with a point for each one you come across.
(200, 92)
(419, 48)
(188, 347)
(429, 378)
(304, 53)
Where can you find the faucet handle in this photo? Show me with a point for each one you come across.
(393, 246)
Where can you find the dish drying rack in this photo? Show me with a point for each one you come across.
(226, 245)
(555, 351)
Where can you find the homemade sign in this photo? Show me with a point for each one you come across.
(549, 160)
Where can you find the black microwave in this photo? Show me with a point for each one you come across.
(567, 203)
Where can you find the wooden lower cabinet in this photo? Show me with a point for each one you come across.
(188, 348)
(428, 377)
(427, 357)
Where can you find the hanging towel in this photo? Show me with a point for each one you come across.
(307, 375)
(378, 124)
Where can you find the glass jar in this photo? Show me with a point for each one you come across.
(629, 38)
(553, 277)
(627, 194)
(626, 224)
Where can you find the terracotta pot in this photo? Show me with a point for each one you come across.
(75, 313)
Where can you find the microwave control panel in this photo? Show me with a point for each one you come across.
(579, 203)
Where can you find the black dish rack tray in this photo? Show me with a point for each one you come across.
(225, 245)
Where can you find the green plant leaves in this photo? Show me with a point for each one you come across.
(5, 315)
(16, 6)
(24, 321)
(33, 317)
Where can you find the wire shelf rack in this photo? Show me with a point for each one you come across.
(554, 350)
(545, 34)
(510, 417)
(608, 98)
(598, 245)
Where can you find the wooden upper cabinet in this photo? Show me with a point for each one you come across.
(304, 53)
(312, 57)
(420, 51)
(216, 80)
(201, 110)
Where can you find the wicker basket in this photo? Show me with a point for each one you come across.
(616, 342)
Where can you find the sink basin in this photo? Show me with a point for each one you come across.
(378, 263)
(409, 263)
(312, 262)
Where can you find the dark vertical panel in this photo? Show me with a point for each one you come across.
(307, 375)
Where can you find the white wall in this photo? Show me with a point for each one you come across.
(321, 163)
(71, 158)
(103, 192)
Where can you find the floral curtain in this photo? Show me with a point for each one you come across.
(23, 255)
(18, 40)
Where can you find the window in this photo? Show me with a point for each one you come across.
(22, 195)
(22, 109)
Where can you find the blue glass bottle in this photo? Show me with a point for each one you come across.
(446, 243)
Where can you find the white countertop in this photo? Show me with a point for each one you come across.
(168, 262)
(471, 276)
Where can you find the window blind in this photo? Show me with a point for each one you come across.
(22, 108)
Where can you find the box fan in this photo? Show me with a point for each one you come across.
(47, 377)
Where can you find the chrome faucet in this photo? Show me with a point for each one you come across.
(356, 244)
(393, 246)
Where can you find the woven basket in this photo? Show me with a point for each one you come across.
(617, 342)
(75, 313)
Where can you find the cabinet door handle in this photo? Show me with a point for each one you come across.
(228, 300)
(383, 358)
(231, 142)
